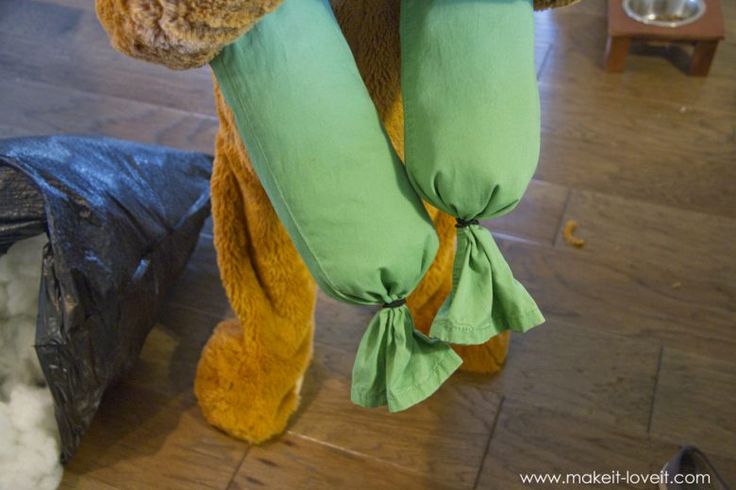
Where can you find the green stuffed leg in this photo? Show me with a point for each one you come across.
(472, 125)
(317, 145)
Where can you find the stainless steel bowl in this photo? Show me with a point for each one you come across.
(665, 13)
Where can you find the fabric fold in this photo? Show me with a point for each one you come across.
(398, 366)
(485, 299)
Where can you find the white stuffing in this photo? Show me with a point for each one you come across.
(29, 437)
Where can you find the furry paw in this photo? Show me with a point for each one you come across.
(486, 358)
(247, 389)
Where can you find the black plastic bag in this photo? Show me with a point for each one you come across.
(122, 220)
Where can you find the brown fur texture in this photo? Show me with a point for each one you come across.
(185, 34)
(250, 371)
(177, 33)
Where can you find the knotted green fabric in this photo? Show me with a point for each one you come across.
(481, 272)
(396, 364)
(472, 124)
(316, 143)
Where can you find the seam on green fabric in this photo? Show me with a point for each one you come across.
(248, 122)
(443, 329)
(459, 325)
(449, 324)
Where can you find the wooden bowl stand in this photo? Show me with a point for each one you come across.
(704, 34)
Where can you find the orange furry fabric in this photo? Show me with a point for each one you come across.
(250, 371)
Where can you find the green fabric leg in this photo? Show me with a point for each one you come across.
(316, 143)
(472, 127)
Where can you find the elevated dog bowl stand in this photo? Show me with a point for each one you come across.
(704, 34)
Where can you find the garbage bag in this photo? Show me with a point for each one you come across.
(122, 219)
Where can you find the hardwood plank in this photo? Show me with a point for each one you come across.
(694, 402)
(729, 18)
(72, 50)
(88, 5)
(37, 108)
(199, 287)
(540, 54)
(141, 439)
(660, 245)
(100, 70)
(455, 422)
(726, 468)
(168, 360)
(300, 463)
(537, 216)
(339, 328)
(26, 18)
(584, 372)
(10, 131)
(73, 481)
(573, 288)
(640, 149)
(539, 440)
(653, 73)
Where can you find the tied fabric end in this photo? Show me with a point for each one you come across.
(395, 304)
(463, 223)
(396, 365)
(485, 299)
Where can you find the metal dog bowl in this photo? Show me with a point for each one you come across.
(665, 13)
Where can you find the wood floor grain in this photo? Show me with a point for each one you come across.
(69, 48)
(610, 296)
(142, 439)
(584, 372)
(298, 462)
(33, 108)
(545, 441)
(537, 217)
(685, 255)
(443, 438)
(637, 354)
(695, 402)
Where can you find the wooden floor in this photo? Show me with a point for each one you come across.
(637, 355)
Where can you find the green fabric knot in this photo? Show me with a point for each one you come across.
(485, 299)
(398, 366)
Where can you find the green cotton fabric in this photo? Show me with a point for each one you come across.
(472, 131)
(317, 145)
(406, 359)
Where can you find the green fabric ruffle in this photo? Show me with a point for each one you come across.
(398, 366)
(480, 273)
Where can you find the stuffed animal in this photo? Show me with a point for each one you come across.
(250, 371)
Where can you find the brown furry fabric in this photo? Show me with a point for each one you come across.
(189, 33)
(178, 33)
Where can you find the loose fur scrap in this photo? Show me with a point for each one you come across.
(178, 33)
